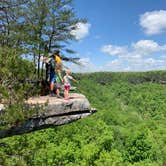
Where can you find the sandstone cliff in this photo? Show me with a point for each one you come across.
(53, 112)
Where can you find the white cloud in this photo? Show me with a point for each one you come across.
(148, 46)
(135, 64)
(137, 58)
(81, 31)
(151, 64)
(86, 66)
(114, 65)
(153, 22)
(113, 50)
(113, 62)
(140, 48)
(163, 56)
(120, 64)
(150, 61)
(85, 61)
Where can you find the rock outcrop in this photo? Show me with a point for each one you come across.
(53, 112)
(2, 107)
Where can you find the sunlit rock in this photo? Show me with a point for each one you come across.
(52, 111)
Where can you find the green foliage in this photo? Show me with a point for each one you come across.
(113, 158)
(13, 91)
(139, 147)
(37, 27)
(12, 67)
(128, 129)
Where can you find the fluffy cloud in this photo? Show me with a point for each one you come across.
(131, 58)
(138, 49)
(153, 22)
(148, 46)
(119, 64)
(81, 31)
(163, 56)
(138, 64)
(86, 66)
(113, 50)
(137, 58)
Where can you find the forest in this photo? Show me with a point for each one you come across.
(129, 127)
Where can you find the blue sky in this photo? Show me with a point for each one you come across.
(120, 35)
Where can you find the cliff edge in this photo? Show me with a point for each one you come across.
(53, 111)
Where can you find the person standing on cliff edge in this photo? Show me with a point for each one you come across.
(67, 78)
(52, 74)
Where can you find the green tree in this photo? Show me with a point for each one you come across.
(37, 26)
(113, 158)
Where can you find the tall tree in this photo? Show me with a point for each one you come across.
(37, 26)
(11, 26)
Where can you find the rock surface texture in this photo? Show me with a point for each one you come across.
(53, 112)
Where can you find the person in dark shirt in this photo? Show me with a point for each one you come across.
(52, 74)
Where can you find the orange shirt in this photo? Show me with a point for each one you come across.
(57, 59)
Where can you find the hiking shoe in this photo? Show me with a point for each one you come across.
(67, 99)
(52, 95)
(60, 97)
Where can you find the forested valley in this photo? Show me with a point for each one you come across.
(129, 127)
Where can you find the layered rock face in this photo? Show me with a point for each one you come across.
(59, 111)
(53, 112)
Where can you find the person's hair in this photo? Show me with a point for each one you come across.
(51, 55)
(67, 71)
(56, 52)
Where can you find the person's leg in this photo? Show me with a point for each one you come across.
(58, 93)
(58, 88)
(52, 83)
(68, 92)
(65, 92)
(52, 93)
(66, 95)
(52, 86)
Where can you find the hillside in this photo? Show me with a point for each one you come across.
(129, 128)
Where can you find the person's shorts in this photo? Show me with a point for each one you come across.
(67, 87)
(58, 85)
(52, 77)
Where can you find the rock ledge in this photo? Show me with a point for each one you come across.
(53, 112)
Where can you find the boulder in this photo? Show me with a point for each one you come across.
(52, 111)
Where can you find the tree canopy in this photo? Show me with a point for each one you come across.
(37, 26)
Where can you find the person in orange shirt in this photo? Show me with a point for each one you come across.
(57, 57)
(59, 79)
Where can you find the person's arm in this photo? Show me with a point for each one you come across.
(44, 59)
(73, 79)
(60, 76)
(53, 63)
